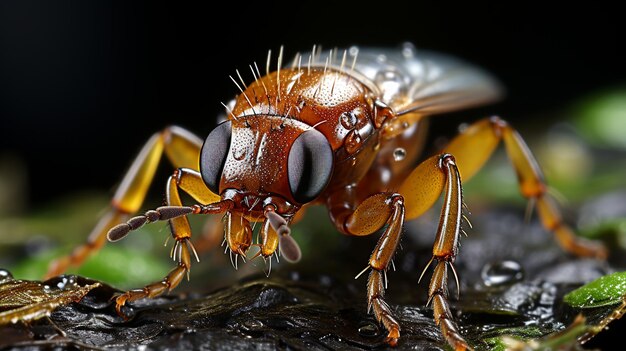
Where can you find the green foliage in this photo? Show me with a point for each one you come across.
(607, 290)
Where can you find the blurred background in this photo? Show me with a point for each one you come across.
(84, 84)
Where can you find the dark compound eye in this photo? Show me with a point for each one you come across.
(213, 155)
(309, 166)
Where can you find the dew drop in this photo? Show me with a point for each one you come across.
(399, 154)
(348, 120)
(502, 273)
(408, 50)
(239, 153)
(5, 275)
(252, 324)
(369, 330)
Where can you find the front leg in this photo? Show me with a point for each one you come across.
(191, 182)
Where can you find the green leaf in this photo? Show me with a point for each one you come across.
(119, 266)
(604, 291)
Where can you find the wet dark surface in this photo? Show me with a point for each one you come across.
(512, 281)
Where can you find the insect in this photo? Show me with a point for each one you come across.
(337, 129)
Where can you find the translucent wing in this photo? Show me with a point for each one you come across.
(408, 79)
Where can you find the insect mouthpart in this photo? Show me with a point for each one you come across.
(253, 206)
(275, 234)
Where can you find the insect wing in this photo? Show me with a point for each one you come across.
(412, 80)
(429, 82)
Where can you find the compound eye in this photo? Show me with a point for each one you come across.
(310, 165)
(213, 155)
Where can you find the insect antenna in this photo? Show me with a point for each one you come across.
(162, 213)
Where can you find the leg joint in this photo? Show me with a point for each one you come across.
(395, 198)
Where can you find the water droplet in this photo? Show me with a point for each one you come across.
(399, 154)
(348, 120)
(408, 50)
(369, 330)
(4, 274)
(353, 51)
(252, 324)
(239, 153)
(295, 276)
(501, 273)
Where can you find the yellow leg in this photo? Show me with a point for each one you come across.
(369, 216)
(191, 182)
(421, 190)
(182, 149)
(477, 143)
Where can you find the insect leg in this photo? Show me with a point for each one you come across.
(370, 215)
(421, 190)
(473, 148)
(182, 149)
(191, 182)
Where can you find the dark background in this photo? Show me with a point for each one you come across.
(84, 83)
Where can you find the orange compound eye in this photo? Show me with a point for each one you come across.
(213, 155)
(310, 165)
